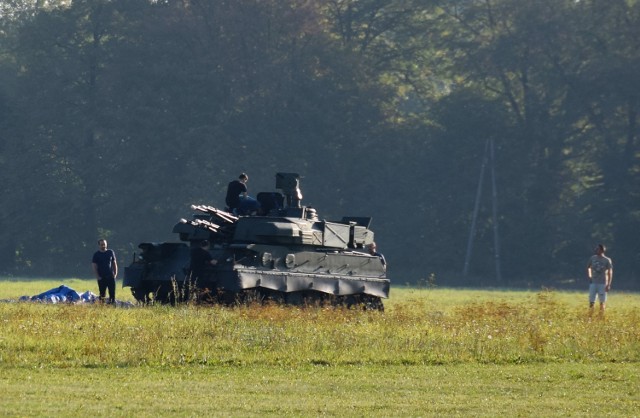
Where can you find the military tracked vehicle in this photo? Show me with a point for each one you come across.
(283, 253)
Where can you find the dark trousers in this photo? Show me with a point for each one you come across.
(107, 283)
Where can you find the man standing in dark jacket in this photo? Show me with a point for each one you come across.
(105, 268)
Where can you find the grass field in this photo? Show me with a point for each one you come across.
(433, 352)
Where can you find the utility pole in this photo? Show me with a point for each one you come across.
(494, 207)
(476, 207)
(488, 158)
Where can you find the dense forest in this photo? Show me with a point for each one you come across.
(117, 115)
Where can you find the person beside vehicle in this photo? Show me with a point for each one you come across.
(201, 260)
(372, 248)
(105, 267)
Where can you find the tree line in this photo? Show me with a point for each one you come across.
(116, 115)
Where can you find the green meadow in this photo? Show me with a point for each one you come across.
(433, 352)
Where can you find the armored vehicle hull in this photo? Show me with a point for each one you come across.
(284, 253)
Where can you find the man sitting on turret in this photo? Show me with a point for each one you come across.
(234, 190)
(237, 199)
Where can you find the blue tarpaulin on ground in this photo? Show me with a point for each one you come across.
(61, 294)
(65, 294)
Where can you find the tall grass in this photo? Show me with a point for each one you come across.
(419, 327)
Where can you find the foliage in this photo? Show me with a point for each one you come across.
(116, 115)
